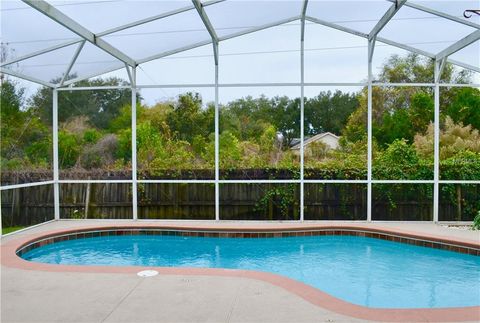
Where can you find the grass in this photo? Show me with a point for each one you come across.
(11, 229)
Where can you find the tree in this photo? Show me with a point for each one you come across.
(329, 112)
(100, 106)
(404, 123)
(247, 118)
(462, 105)
(25, 140)
(401, 112)
(413, 68)
(188, 119)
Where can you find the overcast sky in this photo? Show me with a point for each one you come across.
(271, 55)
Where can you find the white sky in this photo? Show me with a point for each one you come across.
(272, 55)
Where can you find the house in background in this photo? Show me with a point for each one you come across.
(330, 140)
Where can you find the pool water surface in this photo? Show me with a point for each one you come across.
(360, 270)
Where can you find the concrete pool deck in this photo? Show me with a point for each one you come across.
(45, 296)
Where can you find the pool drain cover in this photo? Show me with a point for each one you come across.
(147, 273)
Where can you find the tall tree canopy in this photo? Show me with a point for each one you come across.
(99, 106)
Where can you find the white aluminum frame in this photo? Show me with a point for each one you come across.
(126, 62)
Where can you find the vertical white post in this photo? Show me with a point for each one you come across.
(134, 144)
(56, 185)
(371, 46)
(302, 127)
(302, 110)
(217, 141)
(436, 141)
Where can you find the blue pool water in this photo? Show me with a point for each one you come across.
(363, 271)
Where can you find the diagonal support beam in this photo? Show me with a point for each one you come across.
(258, 28)
(439, 67)
(464, 65)
(41, 52)
(386, 18)
(95, 74)
(203, 15)
(473, 37)
(206, 42)
(174, 51)
(56, 15)
(144, 21)
(363, 35)
(72, 62)
(130, 77)
(153, 18)
(337, 27)
(440, 14)
(391, 43)
(405, 47)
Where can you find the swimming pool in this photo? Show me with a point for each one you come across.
(360, 270)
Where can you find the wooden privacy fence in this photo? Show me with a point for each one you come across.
(31, 205)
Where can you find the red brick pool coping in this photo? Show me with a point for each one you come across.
(313, 295)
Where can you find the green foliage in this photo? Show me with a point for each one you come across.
(124, 150)
(100, 107)
(356, 127)
(462, 105)
(464, 165)
(124, 118)
(247, 118)
(91, 136)
(400, 161)
(40, 152)
(11, 99)
(68, 149)
(178, 134)
(6, 230)
(24, 139)
(281, 197)
(189, 120)
(230, 150)
(412, 68)
(329, 112)
(476, 222)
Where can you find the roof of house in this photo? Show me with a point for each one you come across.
(295, 143)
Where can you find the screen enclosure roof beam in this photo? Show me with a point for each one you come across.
(56, 15)
(386, 18)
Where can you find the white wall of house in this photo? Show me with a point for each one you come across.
(329, 139)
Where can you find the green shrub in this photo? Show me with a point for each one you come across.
(68, 149)
(91, 136)
(476, 222)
